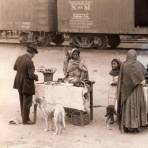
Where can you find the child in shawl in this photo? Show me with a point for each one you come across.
(115, 64)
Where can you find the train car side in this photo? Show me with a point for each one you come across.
(35, 19)
(96, 23)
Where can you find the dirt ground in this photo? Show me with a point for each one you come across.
(94, 135)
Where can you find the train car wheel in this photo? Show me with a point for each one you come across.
(113, 41)
(23, 38)
(100, 42)
(43, 41)
(82, 41)
(58, 39)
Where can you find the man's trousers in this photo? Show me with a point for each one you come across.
(25, 104)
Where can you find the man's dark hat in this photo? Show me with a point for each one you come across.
(32, 48)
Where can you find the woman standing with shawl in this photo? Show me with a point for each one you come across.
(131, 103)
(112, 91)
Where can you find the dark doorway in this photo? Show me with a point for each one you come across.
(141, 13)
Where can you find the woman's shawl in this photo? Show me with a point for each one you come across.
(66, 61)
(131, 74)
(76, 68)
(76, 64)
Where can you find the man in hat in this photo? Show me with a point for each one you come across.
(24, 81)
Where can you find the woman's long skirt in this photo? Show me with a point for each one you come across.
(134, 109)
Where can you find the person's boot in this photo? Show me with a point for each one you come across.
(26, 119)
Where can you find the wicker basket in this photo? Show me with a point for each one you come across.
(48, 77)
(80, 118)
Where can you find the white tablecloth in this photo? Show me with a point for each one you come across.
(68, 96)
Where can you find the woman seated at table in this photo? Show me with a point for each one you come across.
(74, 68)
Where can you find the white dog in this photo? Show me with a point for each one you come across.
(52, 111)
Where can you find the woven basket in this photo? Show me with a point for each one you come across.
(48, 77)
(80, 118)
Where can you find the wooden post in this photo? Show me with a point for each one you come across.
(81, 118)
(91, 100)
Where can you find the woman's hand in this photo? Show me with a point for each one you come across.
(143, 82)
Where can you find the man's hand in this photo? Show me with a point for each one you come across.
(36, 77)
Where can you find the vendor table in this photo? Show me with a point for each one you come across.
(68, 95)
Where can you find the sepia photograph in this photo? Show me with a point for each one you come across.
(73, 73)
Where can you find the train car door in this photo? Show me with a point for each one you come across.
(141, 13)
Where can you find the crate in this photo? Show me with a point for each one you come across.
(80, 118)
(48, 77)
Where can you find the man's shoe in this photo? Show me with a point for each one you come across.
(28, 122)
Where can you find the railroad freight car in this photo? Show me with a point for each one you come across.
(98, 23)
(36, 20)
